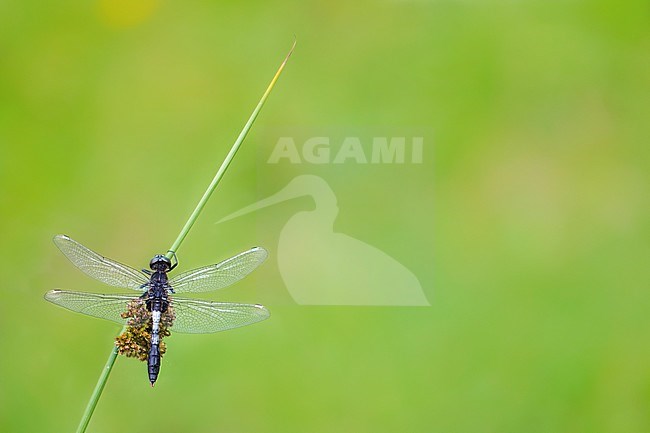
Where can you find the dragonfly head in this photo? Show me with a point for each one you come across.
(160, 263)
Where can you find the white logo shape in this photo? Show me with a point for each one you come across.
(322, 267)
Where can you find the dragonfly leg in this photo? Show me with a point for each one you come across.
(175, 259)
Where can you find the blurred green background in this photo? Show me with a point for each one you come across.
(526, 223)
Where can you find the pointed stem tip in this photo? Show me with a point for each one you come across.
(226, 162)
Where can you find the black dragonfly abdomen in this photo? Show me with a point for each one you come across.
(157, 302)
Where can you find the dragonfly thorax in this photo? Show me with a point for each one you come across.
(160, 263)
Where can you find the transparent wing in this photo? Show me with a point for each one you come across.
(195, 316)
(105, 270)
(108, 307)
(222, 274)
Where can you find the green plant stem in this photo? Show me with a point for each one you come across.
(103, 378)
(101, 382)
(226, 162)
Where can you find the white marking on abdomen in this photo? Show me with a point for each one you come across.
(155, 322)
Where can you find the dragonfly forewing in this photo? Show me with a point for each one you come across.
(99, 267)
(221, 275)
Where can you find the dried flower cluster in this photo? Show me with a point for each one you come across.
(135, 341)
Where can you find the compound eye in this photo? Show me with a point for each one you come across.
(159, 261)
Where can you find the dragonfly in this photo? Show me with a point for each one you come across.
(158, 307)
